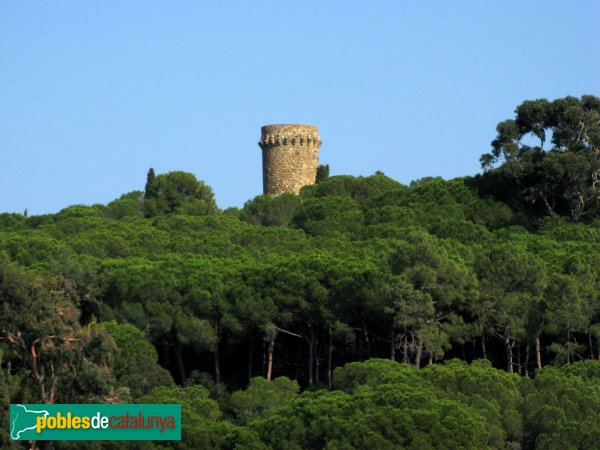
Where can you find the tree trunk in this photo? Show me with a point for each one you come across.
(519, 362)
(405, 349)
(317, 363)
(298, 351)
(329, 358)
(51, 396)
(430, 361)
(311, 361)
(591, 344)
(264, 358)
(360, 345)
(270, 358)
(568, 346)
(419, 353)
(39, 378)
(538, 352)
(250, 355)
(526, 368)
(41, 445)
(483, 346)
(393, 344)
(179, 357)
(217, 365)
(367, 343)
(509, 355)
(166, 353)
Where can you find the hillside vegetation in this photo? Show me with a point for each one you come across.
(363, 313)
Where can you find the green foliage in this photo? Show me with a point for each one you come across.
(128, 205)
(10, 221)
(573, 123)
(62, 361)
(373, 372)
(116, 303)
(377, 414)
(268, 210)
(177, 193)
(329, 216)
(136, 362)
(10, 391)
(562, 410)
(560, 180)
(80, 211)
(201, 424)
(361, 189)
(322, 172)
(262, 398)
(151, 189)
(492, 393)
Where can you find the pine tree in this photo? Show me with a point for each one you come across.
(151, 185)
(322, 172)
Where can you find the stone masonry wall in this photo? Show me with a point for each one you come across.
(290, 157)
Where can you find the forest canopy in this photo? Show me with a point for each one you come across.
(361, 313)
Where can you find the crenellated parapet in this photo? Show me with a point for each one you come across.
(289, 135)
(290, 157)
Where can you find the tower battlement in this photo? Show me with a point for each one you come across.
(290, 157)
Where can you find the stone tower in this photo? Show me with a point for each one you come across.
(290, 155)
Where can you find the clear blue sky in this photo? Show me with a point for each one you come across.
(93, 93)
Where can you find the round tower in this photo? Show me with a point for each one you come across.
(290, 155)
